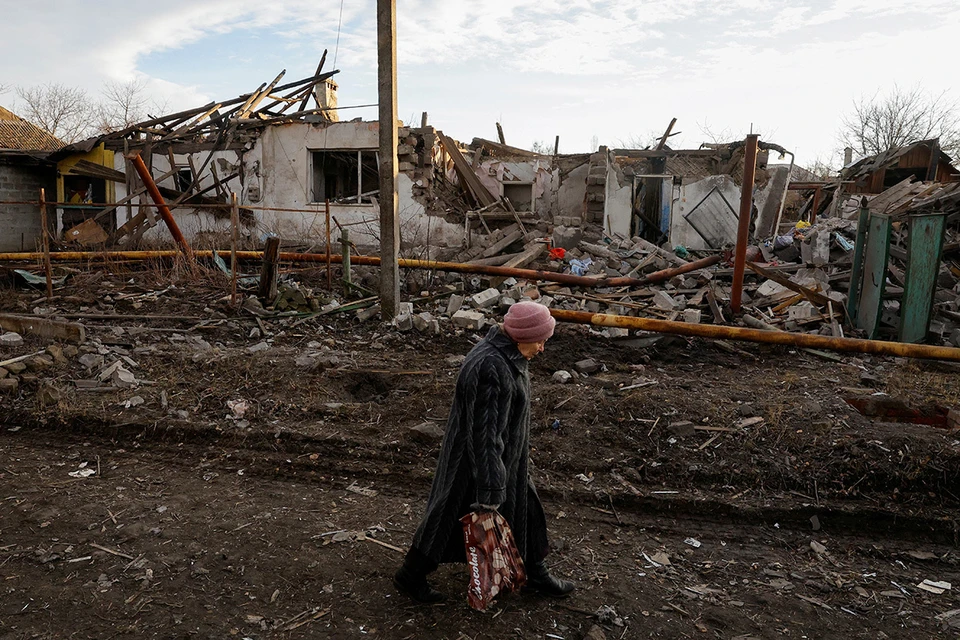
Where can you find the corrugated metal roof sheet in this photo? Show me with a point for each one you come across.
(17, 133)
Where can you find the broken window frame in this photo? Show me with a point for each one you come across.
(365, 158)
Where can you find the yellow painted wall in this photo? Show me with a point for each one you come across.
(97, 155)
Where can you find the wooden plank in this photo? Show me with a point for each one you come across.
(526, 257)
(466, 173)
(923, 266)
(42, 327)
(310, 91)
(497, 247)
(876, 259)
(809, 294)
(269, 271)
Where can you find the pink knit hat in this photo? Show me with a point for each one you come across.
(529, 322)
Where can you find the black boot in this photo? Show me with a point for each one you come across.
(539, 579)
(411, 579)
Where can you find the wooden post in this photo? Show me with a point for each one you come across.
(46, 244)
(556, 146)
(345, 256)
(746, 208)
(234, 232)
(329, 266)
(500, 134)
(389, 213)
(268, 272)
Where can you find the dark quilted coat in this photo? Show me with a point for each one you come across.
(484, 455)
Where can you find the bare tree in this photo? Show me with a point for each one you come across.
(122, 104)
(541, 147)
(66, 112)
(901, 117)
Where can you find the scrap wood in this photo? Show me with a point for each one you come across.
(303, 618)
(616, 476)
(469, 178)
(809, 294)
(112, 551)
(21, 358)
(386, 545)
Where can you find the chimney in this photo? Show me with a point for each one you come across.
(847, 156)
(327, 98)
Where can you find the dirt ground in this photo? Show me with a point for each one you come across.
(778, 511)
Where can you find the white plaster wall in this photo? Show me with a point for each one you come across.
(493, 173)
(687, 197)
(571, 192)
(279, 164)
(617, 204)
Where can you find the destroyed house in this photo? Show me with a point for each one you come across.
(920, 161)
(25, 168)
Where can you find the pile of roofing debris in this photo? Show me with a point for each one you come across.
(648, 233)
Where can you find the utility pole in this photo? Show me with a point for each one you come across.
(389, 214)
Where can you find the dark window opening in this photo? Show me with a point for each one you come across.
(183, 178)
(347, 176)
(896, 176)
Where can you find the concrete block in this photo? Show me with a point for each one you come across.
(9, 385)
(587, 366)
(454, 304)
(370, 312)
(801, 311)
(91, 360)
(405, 307)
(427, 432)
(562, 377)
(11, 339)
(403, 322)
(691, 316)
(426, 323)
(567, 237)
(43, 328)
(616, 332)
(485, 299)
(662, 300)
(468, 319)
(546, 301)
(260, 346)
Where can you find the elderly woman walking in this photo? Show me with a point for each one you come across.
(483, 462)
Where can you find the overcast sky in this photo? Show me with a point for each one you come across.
(581, 69)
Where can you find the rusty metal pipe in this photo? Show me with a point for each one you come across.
(804, 340)
(666, 274)
(162, 207)
(527, 274)
(743, 231)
